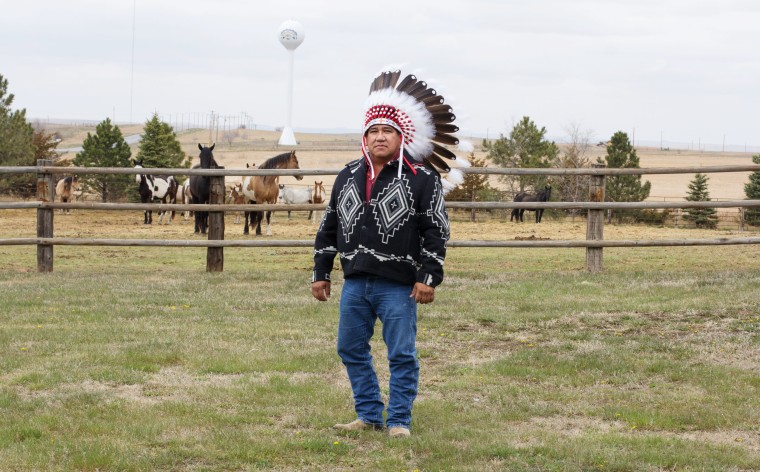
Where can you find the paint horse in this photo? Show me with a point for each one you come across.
(65, 189)
(200, 187)
(263, 189)
(156, 187)
(542, 196)
(183, 196)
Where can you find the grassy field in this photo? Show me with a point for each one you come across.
(137, 359)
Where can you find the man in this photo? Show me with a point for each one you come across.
(387, 220)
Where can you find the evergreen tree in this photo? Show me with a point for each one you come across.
(701, 217)
(16, 145)
(106, 148)
(623, 188)
(526, 147)
(159, 146)
(752, 191)
(474, 187)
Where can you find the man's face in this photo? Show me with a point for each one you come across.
(383, 142)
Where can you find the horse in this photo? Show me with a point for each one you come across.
(542, 196)
(236, 197)
(156, 187)
(199, 186)
(183, 196)
(264, 188)
(65, 189)
(293, 196)
(319, 196)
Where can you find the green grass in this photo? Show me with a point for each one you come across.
(136, 359)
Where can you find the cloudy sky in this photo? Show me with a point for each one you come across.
(684, 71)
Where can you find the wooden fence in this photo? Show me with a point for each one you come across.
(594, 242)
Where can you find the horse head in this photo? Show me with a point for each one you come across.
(546, 193)
(207, 156)
(293, 164)
(319, 193)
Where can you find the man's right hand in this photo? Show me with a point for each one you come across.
(321, 290)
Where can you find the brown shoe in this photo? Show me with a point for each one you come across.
(399, 432)
(356, 425)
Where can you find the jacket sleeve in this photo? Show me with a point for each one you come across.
(326, 241)
(433, 224)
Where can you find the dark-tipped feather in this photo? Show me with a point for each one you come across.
(443, 108)
(444, 118)
(446, 128)
(434, 100)
(425, 93)
(407, 83)
(386, 82)
(443, 152)
(417, 88)
(438, 162)
(394, 78)
(445, 139)
(376, 84)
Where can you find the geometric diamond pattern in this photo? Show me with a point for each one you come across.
(438, 213)
(393, 207)
(350, 209)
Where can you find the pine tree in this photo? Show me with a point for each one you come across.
(16, 145)
(106, 148)
(752, 191)
(623, 188)
(701, 217)
(159, 146)
(526, 147)
(474, 186)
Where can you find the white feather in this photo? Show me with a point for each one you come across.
(455, 176)
(447, 186)
(465, 146)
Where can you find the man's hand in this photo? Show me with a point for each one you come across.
(423, 293)
(321, 290)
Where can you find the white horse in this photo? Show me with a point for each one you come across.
(295, 196)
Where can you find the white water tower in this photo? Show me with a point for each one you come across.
(291, 36)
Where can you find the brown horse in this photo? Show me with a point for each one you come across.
(65, 190)
(263, 189)
(319, 196)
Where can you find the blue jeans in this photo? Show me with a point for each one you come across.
(364, 300)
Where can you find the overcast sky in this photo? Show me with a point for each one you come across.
(681, 70)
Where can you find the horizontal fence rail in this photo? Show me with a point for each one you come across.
(537, 243)
(292, 172)
(594, 242)
(322, 206)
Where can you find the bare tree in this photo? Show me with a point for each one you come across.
(574, 188)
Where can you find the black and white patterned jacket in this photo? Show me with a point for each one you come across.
(400, 234)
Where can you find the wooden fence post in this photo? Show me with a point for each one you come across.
(595, 225)
(45, 193)
(215, 255)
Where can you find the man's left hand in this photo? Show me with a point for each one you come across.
(423, 293)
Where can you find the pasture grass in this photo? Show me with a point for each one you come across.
(136, 359)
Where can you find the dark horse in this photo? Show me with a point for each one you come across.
(156, 187)
(543, 196)
(199, 187)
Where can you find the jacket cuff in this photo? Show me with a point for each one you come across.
(317, 275)
(427, 279)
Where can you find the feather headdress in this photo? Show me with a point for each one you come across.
(420, 115)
